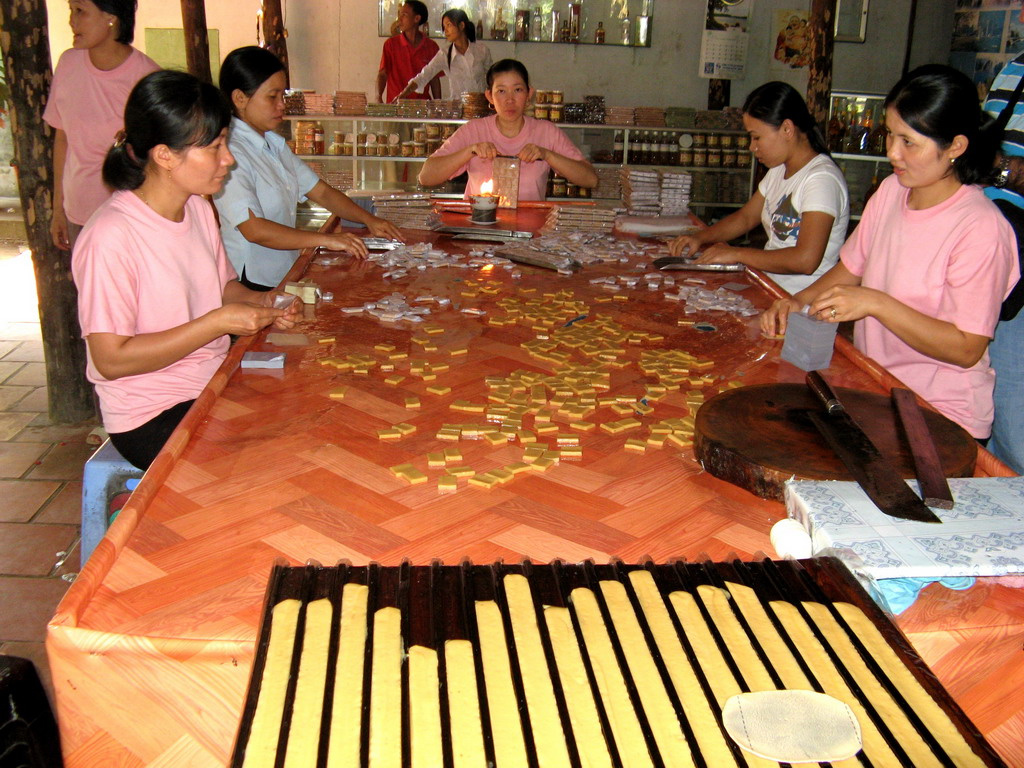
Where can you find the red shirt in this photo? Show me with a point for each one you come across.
(403, 62)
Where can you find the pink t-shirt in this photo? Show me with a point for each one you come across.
(533, 176)
(88, 105)
(137, 272)
(956, 262)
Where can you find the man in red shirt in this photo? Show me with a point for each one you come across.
(406, 54)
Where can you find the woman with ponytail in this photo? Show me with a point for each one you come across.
(157, 297)
(802, 201)
(926, 270)
(465, 61)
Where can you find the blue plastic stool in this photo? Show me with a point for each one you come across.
(106, 474)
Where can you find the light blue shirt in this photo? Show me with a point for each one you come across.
(269, 180)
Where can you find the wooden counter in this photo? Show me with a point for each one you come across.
(151, 648)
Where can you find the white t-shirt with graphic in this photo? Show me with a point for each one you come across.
(818, 186)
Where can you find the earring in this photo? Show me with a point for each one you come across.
(110, 23)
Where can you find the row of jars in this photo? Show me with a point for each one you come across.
(427, 138)
(561, 187)
(699, 150)
(548, 97)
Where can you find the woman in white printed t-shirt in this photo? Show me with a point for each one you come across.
(465, 62)
(802, 201)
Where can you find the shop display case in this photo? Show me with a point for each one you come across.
(856, 138)
(617, 22)
(375, 153)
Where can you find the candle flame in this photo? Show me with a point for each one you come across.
(487, 187)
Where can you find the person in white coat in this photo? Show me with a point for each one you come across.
(464, 63)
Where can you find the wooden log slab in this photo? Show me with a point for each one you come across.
(758, 437)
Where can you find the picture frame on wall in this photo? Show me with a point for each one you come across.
(851, 21)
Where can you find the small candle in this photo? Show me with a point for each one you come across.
(484, 206)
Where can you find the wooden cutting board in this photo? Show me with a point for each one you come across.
(758, 437)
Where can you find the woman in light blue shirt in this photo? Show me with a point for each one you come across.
(464, 63)
(257, 205)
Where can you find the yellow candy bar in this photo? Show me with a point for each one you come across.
(452, 454)
(405, 428)
(325, 340)
(415, 477)
(517, 467)
(435, 459)
(447, 484)
(384, 347)
(401, 469)
(503, 475)
(542, 464)
(338, 393)
(636, 446)
(545, 429)
(678, 441)
(485, 480)
(388, 434)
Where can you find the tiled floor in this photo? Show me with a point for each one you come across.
(40, 474)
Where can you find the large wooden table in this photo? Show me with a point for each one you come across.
(151, 648)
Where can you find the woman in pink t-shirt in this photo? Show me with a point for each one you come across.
(86, 107)
(932, 259)
(157, 297)
(540, 145)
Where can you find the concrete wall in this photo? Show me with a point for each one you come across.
(333, 44)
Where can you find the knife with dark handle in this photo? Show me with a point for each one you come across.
(931, 478)
(872, 471)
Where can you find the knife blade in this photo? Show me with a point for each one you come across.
(930, 477)
(872, 471)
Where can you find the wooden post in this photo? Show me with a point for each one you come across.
(197, 41)
(26, 52)
(275, 36)
(819, 74)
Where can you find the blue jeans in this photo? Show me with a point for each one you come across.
(1007, 355)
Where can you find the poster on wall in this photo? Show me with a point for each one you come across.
(986, 35)
(792, 39)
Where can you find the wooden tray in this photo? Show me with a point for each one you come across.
(758, 437)
(436, 604)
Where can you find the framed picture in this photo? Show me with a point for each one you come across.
(851, 20)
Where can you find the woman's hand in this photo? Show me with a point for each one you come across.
(720, 253)
(59, 229)
(531, 153)
(382, 228)
(485, 150)
(775, 318)
(292, 312)
(342, 241)
(245, 319)
(847, 302)
(685, 245)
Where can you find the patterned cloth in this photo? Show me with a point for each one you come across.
(983, 535)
